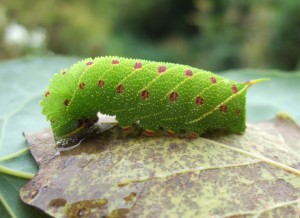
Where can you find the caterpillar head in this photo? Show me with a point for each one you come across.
(65, 121)
(65, 125)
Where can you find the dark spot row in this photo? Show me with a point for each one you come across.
(145, 94)
(162, 69)
(173, 97)
(139, 65)
(120, 88)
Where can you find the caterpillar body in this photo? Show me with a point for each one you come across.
(156, 94)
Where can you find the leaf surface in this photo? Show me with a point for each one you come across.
(256, 174)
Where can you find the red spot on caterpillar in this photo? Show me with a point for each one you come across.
(189, 73)
(237, 112)
(66, 102)
(47, 93)
(161, 69)
(120, 89)
(115, 61)
(100, 83)
(234, 89)
(199, 100)
(223, 108)
(81, 85)
(173, 96)
(89, 63)
(137, 65)
(145, 94)
(213, 80)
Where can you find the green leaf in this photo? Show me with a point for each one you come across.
(21, 85)
(11, 204)
(21, 88)
(23, 82)
(256, 174)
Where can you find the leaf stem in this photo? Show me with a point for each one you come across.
(13, 155)
(15, 173)
(7, 207)
(264, 159)
(5, 121)
(256, 214)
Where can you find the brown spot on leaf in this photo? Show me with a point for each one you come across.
(34, 193)
(130, 197)
(59, 202)
(85, 208)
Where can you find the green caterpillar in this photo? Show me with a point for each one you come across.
(172, 96)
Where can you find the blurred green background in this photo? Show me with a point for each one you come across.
(212, 34)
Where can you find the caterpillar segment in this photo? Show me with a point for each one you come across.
(154, 94)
